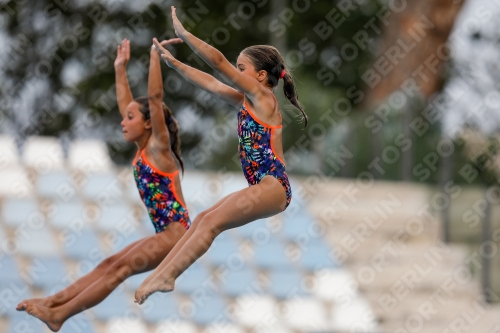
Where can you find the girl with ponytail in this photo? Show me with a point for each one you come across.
(149, 123)
(257, 72)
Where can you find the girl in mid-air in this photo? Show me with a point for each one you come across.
(149, 123)
(258, 69)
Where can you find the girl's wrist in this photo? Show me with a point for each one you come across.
(184, 35)
(120, 66)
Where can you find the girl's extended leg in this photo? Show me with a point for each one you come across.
(184, 238)
(143, 256)
(258, 201)
(82, 283)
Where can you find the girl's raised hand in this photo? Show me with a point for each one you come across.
(179, 28)
(171, 41)
(122, 54)
(164, 53)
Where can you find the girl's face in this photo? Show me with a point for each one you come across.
(133, 125)
(246, 67)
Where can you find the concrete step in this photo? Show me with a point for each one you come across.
(388, 237)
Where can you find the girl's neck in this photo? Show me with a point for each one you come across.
(143, 142)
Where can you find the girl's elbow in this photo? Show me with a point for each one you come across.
(155, 96)
(218, 60)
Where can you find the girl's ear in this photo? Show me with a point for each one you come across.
(147, 124)
(261, 75)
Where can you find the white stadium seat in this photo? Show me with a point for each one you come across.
(9, 155)
(43, 154)
(89, 156)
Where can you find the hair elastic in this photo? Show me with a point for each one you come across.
(283, 73)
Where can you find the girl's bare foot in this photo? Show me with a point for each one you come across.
(45, 302)
(156, 284)
(45, 315)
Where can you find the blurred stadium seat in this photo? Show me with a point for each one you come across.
(17, 212)
(208, 307)
(176, 326)
(63, 215)
(103, 185)
(286, 283)
(116, 305)
(255, 310)
(195, 277)
(78, 324)
(85, 208)
(89, 156)
(47, 272)
(9, 154)
(37, 242)
(222, 249)
(271, 255)
(43, 154)
(82, 245)
(240, 281)
(56, 185)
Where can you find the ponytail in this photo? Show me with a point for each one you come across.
(172, 126)
(290, 92)
(268, 58)
(173, 131)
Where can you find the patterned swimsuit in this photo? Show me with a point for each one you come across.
(157, 190)
(256, 151)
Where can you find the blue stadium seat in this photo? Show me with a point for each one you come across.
(115, 305)
(238, 282)
(102, 185)
(236, 183)
(257, 231)
(56, 184)
(47, 272)
(3, 235)
(22, 322)
(297, 225)
(194, 277)
(9, 269)
(37, 242)
(145, 224)
(18, 211)
(135, 281)
(12, 293)
(114, 216)
(160, 307)
(316, 256)
(297, 192)
(286, 283)
(222, 249)
(271, 255)
(196, 189)
(209, 308)
(78, 324)
(82, 246)
(65, 214)
(116, 241)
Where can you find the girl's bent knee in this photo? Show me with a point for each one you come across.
(210, 224)
(107, 263)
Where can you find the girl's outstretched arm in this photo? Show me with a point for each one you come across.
(123, 93)
(217, 61)
(201, 79)
(155, 97)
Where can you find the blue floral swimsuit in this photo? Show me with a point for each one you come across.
(256, 151)
(157, 190)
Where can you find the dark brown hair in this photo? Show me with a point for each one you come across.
(268, 58)
(170, 121)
